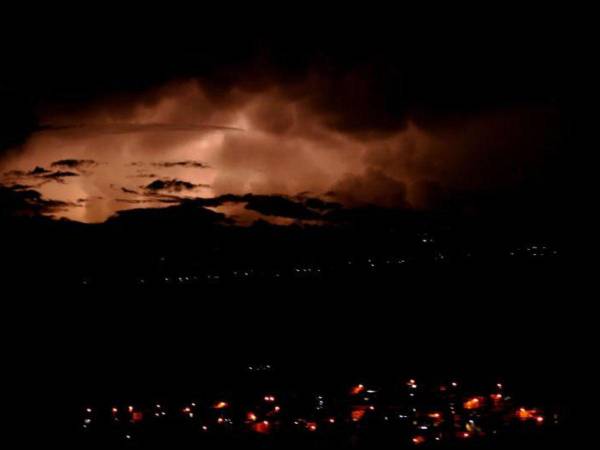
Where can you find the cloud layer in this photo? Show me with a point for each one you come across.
(329, 139)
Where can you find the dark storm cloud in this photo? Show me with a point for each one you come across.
(282, 207)
(39, 173)
(19, 187)
(144, 175)
(38, 170)
(196, 164)
(267, 206)
(173, 185)
(184, 212)
(271, 205)
(216, 201)
(316, 202)
(60, 175)
(164, 165)
(74, 163)
(319, 204)
(181, 216)
(16, 201)
(276, 205)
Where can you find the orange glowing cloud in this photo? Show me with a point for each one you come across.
(182, 141)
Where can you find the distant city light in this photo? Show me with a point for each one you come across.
(473, 403)
(357, 389)
(417, 440)
(423, 425)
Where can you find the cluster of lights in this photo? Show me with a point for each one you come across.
(259, 368)
(307, 270)
(372, 263)
(525, 414)
(87, 417)
(242, 273)
(158, 411)
(426, 424)
(534, 250)
(320, 402)
(295, 271)
(426, 239)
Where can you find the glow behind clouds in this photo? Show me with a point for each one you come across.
(271, 140)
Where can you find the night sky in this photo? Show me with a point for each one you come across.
(137, 149)
(421, 114)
